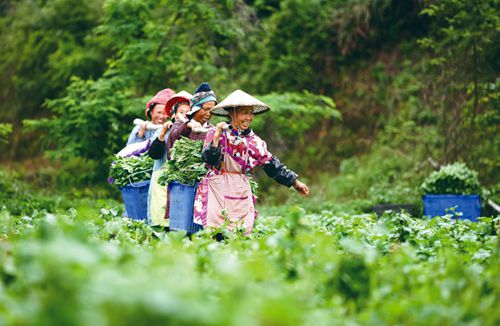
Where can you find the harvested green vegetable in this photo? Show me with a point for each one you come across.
(254, 185)
(185, 164)
(133, 169)
(454, 178)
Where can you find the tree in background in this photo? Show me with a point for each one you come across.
(43, 45)
(152, 45)
(307, 44)
(364, 53)
(464, 89)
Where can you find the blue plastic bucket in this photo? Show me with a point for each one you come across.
(181, 202)
(468, 205)
(135, 197)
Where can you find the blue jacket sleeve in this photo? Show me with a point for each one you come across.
(133, 138)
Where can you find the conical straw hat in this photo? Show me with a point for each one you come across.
(239, 98)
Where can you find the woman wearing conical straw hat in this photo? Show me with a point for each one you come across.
(231, 154)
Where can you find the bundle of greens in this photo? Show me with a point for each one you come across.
(130, 170)
(185, 164)
(454, 178)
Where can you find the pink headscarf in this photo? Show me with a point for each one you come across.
(160, 98)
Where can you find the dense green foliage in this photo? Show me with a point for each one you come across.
(129, 170)
(297, 128)
(44, 44)
(419, 76)
(462, 78)
(452, 179)
(5, 130)
(87, 268)
(185, 164)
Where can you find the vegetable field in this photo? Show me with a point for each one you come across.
(374, 103)
(97, 268)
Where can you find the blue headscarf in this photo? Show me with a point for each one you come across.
(202, 94)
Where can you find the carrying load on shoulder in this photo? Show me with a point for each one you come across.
(224, 195)
(183, 173)
(177, 107)
(157, 115)
(132, 168)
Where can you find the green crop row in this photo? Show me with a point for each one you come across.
(82, 268)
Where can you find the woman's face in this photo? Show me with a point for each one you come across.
(158, 114)
(205, 113)
(243, 117)
(183, 109)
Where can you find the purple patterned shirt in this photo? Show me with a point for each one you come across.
(238, 147)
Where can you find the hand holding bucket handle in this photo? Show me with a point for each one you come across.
(149, 125)
(203, 130)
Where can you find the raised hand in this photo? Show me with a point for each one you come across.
(218, 131)
(164, 129)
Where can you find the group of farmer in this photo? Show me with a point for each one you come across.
(231, 151)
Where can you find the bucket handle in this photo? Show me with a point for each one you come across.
(130, 181)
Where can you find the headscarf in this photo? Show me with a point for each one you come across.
(175, 100)
(160, 98)
(202, 94)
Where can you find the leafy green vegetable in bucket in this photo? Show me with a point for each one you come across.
(454, 178)
(185, 164)
(133, 169)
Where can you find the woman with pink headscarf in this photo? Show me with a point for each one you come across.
(155, 111)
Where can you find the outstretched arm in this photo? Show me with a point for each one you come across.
(281, 174)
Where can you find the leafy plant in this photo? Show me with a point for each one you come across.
(462, 79)
(185, 164)
(454, 178)
(129, 170)
(254, 186)
(5, 130)
(313, 268)
(57, 265)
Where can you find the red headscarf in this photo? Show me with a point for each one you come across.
(160, 98)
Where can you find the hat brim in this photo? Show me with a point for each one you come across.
(174, 101)
(182, 96)
(224, 111)
(195, 108)
(237, 99)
